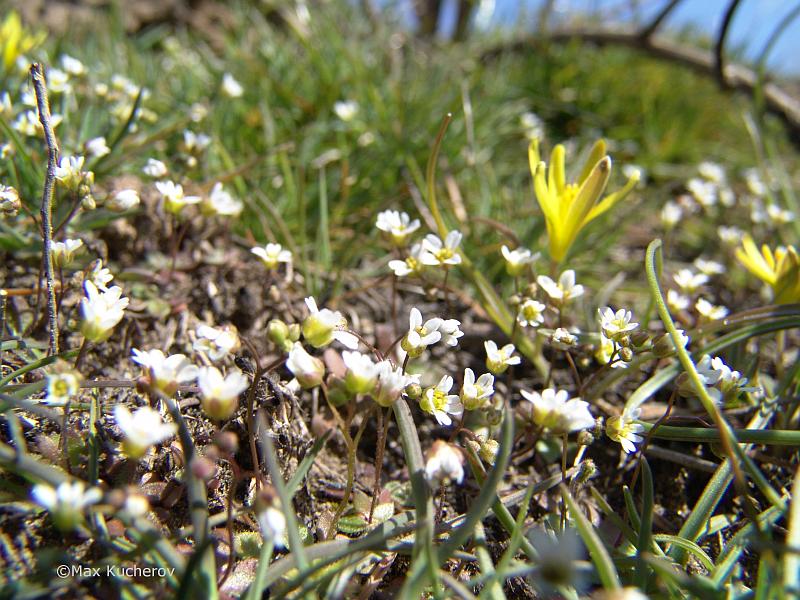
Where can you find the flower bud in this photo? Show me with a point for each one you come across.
(227, 441)
(413, 390)
(585, 438)
(278, 333)
(294, 332)
(307, 369)
(488, 450)
(626, 354)
(639, 339)
(202, 468)
(338, 394)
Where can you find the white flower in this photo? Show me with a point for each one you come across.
(9, 200)
(216, 343)
(195, 142)
(677, 301)
(689, 281)
(141, 429)
(58, 81)
(271, 519)
(420, 335)
(438, 402)
(230, 87)
(123, 200)
(321, 327)
(101, 311)
(27, 123)
(705, 192)
(616, 325)
(563, 337)
(443, 464)
(70, 172)
(5, 103)
(532, 125)
(155, 168)
(391, 383)
(730, 235)
(166, 372)
(730, 382)
(531, 312)
(361, 375)
(136, 505)
(498, 360)
(66, 502)
(671, 214)
(307, 369)
(624, 431)
(712, 171)
(220, 395)
(442, 253)
(709, 311)
(449, 328)
(412, 265)
(397, 224)
(97, 147)
(517, 260)
(754, 182)
(605, 350)
(72, 65)
(221, 203)
(272, 255)
(708, 267)
(476, 394)
(779, 215)
(61, 387)
(556, 560)
(64, 252)
(556, 412)
(174, 198)
(709, 375)
(100, 275)
(564, 290)
(346, 110)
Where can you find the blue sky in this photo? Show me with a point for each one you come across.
(753, 23)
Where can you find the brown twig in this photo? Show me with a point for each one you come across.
(37, 76)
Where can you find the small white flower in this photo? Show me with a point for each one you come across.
(778, 215)
(361, 375)
(58, 81)
(142, 429)
(72, 65)
(754, 182)
(272, 523)
(397, 224)
(443, 464)
(709, 375)
(221, 203)
(136, 505)
(709, 311)
(71, 174)
(27, 123)
(689, 281)
(166, 372)
(321, 327)
(155, 168)
(123, 200)
(730, 382)
(272, 255)
(438, 402)
(498, 360)
(712, 171)
(61, 387)
(442, 253)
(101, 311)
(64, 252)
(230, 87)
(5, 103)
(174, 198)
(557, 413)
(532, 125)
(476, 394)
(449, 328)
(705, 192)
(195, 142)
(391, 383)
(216, 343)
(531, 313)
(616, 325)
(308, 370)
(100, 275)
(563, 337)
(677, 301)
(412, 265)
(220, 395)
(97, 147)
(517, 260)
(67, 502)
(624, 431)
(556, 560)
(420, 335)
(346, 110)
(671, 214)
(730, 235)
(708, 267)
(605, 350)
(564, 290)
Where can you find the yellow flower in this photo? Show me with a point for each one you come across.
(569, 207)
(15, 40)
(779, 269)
